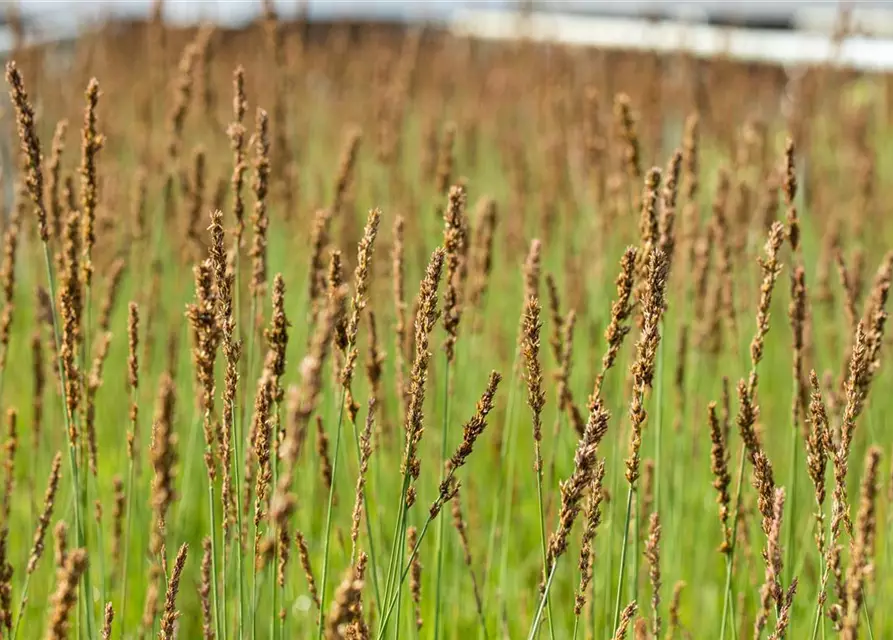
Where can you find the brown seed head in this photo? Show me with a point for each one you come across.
(359, 300)
(163, 457)
(91, 143)
(43, 523)
(170, 615)
(259, 219)
(30, 146)
(719, 465)
(426, 318)
(454, 244)
(66, 596)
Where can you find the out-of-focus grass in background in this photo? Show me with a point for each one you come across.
(536, 130)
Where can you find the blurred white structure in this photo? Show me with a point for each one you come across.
(775, 46)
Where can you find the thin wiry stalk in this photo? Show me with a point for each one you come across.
(329, 509)
(623, 547)
(730, 556)
(440, 546)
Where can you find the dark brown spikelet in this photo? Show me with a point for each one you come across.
(426, 318)
(224, 281)
(204, 591)
(304, 556)
(675, 625)
(71, 305)
(536, 396)
(470, 433)
(362, 275)
(116, 272)
(445, 159)
(863, 545)
(652, 555)
(621, 309)
(790, 193)
(6, 568)
(43, 522)
(532, 270)
(205, 338)
(626, 617)
(261, 430)
(7, 279)
(30, 146)
(335, 284)
(667, 222)
(319, 240)
(764, 484)
(375, 362)
(163, 456)
(259, 218)
(60, 544)
(54, 182)
(648, 227)
(646, 353)
(138, 207)
(454, 244)
(182, 95)
(133, 377)
(236, 133)
(555, 340)
(401, 335)
(817, 455)
(107, 619)
(365, 454)
(322, 450)
(586, 469)
(91, 144)
(65, 597)
(302, 404)
(277, 339)
(771, 589)
(39, 381)
(415, 574)
(629, 138)
(797, 314)
(482, 252)
(194, 188)
(719, 465)
(344, 177)
(346, 613)
(94, 382)
(770, 268)
(593, 517)
(118, 510)
(690, 184)
(170, 615)
(784, 614)
(462, 531)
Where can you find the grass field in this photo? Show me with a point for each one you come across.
(353, 331)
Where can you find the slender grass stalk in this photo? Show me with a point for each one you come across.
(623, 548)
(444, 443)
(72, 454)
(127, 527)
(214, 596)
(792, 503)
(22, 603)
(730, 556)
(99, 541)
(658, 420)
(329, 509)
(542, 518)
(505, 450)
(539, 609)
